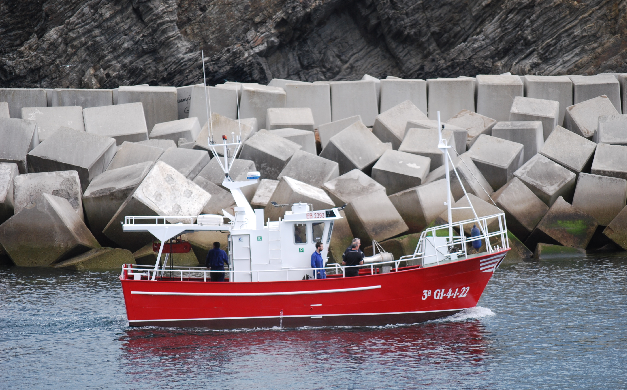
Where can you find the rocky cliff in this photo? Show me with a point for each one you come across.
(106, 43)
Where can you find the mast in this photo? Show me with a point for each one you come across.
(444, 148)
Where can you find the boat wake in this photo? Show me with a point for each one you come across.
(474, 313)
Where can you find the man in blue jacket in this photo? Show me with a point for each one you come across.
(317, 262)
(216, 258)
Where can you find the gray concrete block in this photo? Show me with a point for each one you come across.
(497, 159)
(124, 122)
(396, 91)
(158, 143)
(264, 192)
(617, 229)
(131, 153)
(311, 169)
(419, 206)
(4, 110)
(256, 101)
(600, 196)
(188, 162)
(107, 192)
(47, 233)
(461, 212)
(350, 98)
(474, 123)
(252, 122)
(471, 177)
(559, 88)
(290, 191)
(389, 126)
(269, 152)
(28, 188)
(67, 149)
(569, 149)
(450, 96)
(328, 130)
(183, 128)
(424, 142)
(159, 102)
(8, 171)
(377, 85)
(293, 118)
(18, 137)
(527, 133)
(221, 199)
(583, 118)
(355, 148)
(23, 97)
(183, 100)
(589, 87)
(305, 138)
(50, 119)
(282, 83)
(547, 179)
(317, 97)
(351, 185)
(460, 136)
(611, 130)
(528, 109)
(496, 93)
(610, 160)
(523, 209)
(84, 98)
(385, 223)
(221, 100)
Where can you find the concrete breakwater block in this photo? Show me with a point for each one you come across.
(293, 118)
(419, 206)
(617, 229)
(238, 171)
(558, 88)
(610, 160)
(222, 100)
(100, 259)
(291, 191)
(223, 126)
(50, 119)
(183, 100)
(523, 209)
(589, 87)
(389, 126)
(569, 149)
(385, 223)
(47, 233)
(583, 118)
(316, 97)
(282, 83)
(547, 179)
(328, 130)
(377, 85)
(474, 123)
(611, 130)
(256, 101)
(497, 159)
(460, 136)
(565, 225)
(351, 98)
(305, 138)
(311, 169)
(396, 91)
(269, 152)
(600, 196)
(355, 148)
(23, 97)
(124, 122)
(67, 149)
(164, 191)
(108, 191)
(264, 192)
(162, 144)
(471, 178)
(159, 103)
(183, 128)
(550, 251)
(4, 110)
(482, 209)
(398, 171)
(18, 137)
(30, 187)
(131, 153)
(450, 96)
(188, 162)
(424, 142)
(85, 98)
(8, 171)
(527, 133)
(496, 93)
(221, 199)
(351, 185)
(529, 109)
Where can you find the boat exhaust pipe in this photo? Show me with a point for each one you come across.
(380, 257)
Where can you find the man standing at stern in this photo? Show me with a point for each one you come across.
(317, 262)
(216, 258)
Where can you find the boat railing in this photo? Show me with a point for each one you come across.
(157, 219)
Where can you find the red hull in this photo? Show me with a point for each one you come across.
(408, 296)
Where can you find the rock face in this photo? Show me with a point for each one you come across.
(106, 43)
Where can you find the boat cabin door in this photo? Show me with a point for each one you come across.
(240, 248)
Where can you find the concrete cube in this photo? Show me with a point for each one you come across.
(424, 142)
(27, 189)
(450, 96)
(316, 97)
(398, 171)
(462, 212)
(100, 259)
(377, 85)
(396, 91)
(528, 109)
(527, 133)
(282, 83)
(293, 118)
(124, 122)
(471, 178)
(4, 110)
(188, 162)
(385, 223)
(558, 88)
(390, 125)
(23, 97)
(290, 191)
(215, 100)
(305, 138)
(583, 118)
(474, 123)
(47, 233)
(238, 172)
(600, 196)
(496, 93)
(264, 192)
(270, 153)
(523, 209)
(569, 149)
(183, 100)
(547, 179)
(590, 87)
(221, 199)
(611, 130)
(351, 185)
(162, 144)
(183, 128)
(18, 137)
(311, 169)
(610, 160)
(50, 119)
(85, 98)
(350, 98)
(617, 229)
(256, 101)
(159, 102)
(328, 130)
(355, 148)
(419, 206)
(8, 171)
(497, 159)
(131, 153)
(460, 136)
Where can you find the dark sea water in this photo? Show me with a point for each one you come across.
(558, 324)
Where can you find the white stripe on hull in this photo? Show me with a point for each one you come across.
(338, 290)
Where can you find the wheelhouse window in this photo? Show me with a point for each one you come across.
(330, 231)
(318, 230)
(300, 233)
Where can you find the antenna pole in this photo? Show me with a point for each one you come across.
(207, 104)
(444, 148)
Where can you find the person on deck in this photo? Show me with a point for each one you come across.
(216, 258)
(355, 241)
(317, 262)
(353, 259)
(475, 232)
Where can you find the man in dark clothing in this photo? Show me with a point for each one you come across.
(353, 259)
(215, 261)
(475, 232)
(355, 241)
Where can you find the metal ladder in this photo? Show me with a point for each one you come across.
(274, 242)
